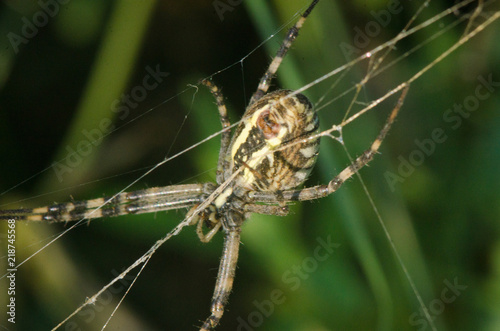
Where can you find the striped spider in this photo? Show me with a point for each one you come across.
(270, 154)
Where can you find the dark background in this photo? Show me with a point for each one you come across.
(443, 218)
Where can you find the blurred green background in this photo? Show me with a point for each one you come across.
(443, 218)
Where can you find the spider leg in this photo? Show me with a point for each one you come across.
(320, 191)
(137, 202)
(210, 234)
(225, 277)
(226, 132)
(267, 209)
(273, 67)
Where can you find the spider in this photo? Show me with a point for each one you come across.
(259, 170)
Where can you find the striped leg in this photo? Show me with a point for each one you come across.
(226, 132)
(225, 278)
(273, 67)
(320, 191)
(138, 202)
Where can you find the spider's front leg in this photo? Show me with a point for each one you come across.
(225, 277)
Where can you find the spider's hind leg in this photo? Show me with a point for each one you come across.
(265, 81)
(222, 164)
(321, 191)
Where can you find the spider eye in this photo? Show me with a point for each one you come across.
(267, 125)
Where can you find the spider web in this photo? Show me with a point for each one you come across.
(272, 247)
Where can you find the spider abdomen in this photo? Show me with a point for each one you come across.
(273, 144)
